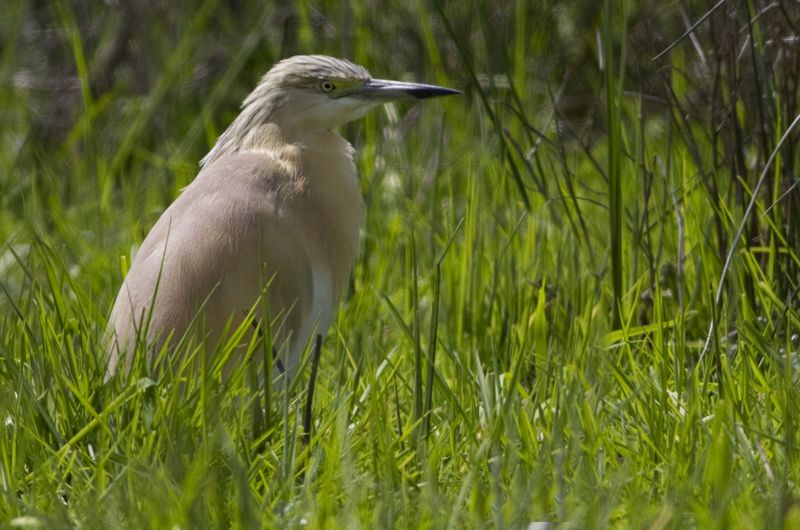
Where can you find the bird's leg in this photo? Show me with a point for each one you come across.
(310, 395)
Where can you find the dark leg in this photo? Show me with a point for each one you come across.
(310, 395)
(278, 363)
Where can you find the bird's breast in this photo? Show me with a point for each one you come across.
(333, 213)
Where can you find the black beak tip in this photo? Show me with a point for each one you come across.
(433, 91)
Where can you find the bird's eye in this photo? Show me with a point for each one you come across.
(327, 86)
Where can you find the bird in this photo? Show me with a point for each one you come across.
(275, 209)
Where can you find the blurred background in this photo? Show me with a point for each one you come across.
(111, 100)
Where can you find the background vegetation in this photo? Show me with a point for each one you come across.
(578, 298)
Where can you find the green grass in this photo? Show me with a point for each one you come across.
(479, 374)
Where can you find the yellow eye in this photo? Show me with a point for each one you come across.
(327, 86)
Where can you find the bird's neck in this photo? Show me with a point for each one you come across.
(267, 127)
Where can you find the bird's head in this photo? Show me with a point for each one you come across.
(307, 93)
(321, 91)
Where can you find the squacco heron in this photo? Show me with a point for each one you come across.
(276, 201)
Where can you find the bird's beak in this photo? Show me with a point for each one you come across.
(382, 89)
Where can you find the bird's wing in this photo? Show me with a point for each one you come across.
(230, 231)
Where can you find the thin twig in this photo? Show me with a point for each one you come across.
(688, 31)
